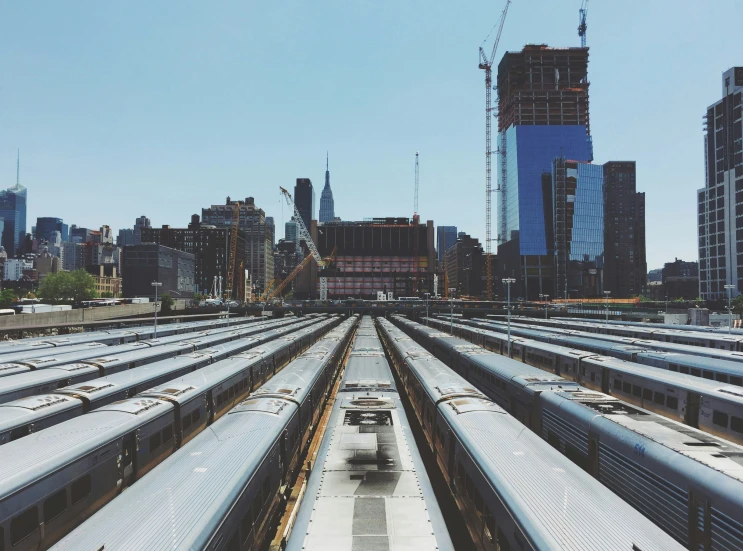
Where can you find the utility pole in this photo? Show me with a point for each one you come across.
(156, 284)
(730, 306)
(606, 294)
(507, 281)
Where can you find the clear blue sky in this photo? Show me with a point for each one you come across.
(161, 108)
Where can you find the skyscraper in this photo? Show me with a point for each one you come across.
(271, 227)
(543, 114)
(291, 231)
(721, 200)
(139, 223)
(446, 236)
(304, 199)
(13, 212)
(46, 225)
(327, 205)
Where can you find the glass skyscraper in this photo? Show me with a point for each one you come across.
(46, 225)
(13, 213)
(446, 236)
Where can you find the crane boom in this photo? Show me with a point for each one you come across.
(487, 65)
(582, 26)
(303, 232)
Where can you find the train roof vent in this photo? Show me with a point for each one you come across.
(88, 388)
(106, 360)
(368, 402)
(76, 366)
(732, 390)
(445, 390)
(416, 354)
(41, 361)
(359, 418)
(137, 407)
(315, 354)
(441, 335)
(400, 338)
(11, 366)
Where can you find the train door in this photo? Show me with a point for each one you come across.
(210, 407)
(605, 380)
(691, 417)
(128, 466)
(593, 456)
(450, 458)
(282, 457)
(699, 525)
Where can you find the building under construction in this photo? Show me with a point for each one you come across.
(377, 255)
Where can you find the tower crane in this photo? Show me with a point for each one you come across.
(486, 63)
(304, 234)
(416, 221)
(582, 26)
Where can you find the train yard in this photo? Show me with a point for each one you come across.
(351, 432)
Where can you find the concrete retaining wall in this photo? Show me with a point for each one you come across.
(72, 316)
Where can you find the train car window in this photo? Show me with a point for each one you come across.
(673, 367)
(80, 489)
(627, 387)
(720, 418)
(256, 508)
(636, 390)
(186, 422)
(593, 376)
(696, 372)
(738, 381)
(721, 377)
(479, 504)
(709, 375)
(460, 471)
(647, 394)
(672, 402)
(469, 486)
(55, 505)
(684, 369)
(24, 525)
(659, 398)
(155, 441)
(195, 415)
(617, 384)
(736, 423)
(167, 434)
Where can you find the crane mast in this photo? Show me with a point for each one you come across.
(582, 26)
(234, 231)
(487, 65)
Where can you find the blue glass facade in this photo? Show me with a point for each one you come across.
(446, 236)
(587, 236)
(13, 213)
(530, 152)
(46, 225)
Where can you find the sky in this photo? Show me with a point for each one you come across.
(161, 108)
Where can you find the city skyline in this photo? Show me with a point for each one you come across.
(637, 113)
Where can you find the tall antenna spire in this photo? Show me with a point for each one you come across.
(326, 162)
(18, 169)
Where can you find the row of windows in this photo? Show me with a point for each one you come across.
(227, 395)
(26, 523)
(190, 419)
(733, 380)
(161, 437)
(253, 515)
(721, 418)
(659, 398)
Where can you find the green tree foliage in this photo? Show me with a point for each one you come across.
(167, 303)
(7, 296)
(737, 304)
(67, 286)
(107, 294)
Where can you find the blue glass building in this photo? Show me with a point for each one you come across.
(46, 225)
(446, 236)
(13, 213)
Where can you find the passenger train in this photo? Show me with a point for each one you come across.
(221, 490)
(714, 407)
(21, 417)
(49, 373)
(368, 468)
(628, 449)
(514, 490)
(52, 480)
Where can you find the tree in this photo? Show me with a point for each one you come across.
(737, 304)
(7, 296)
(167, 303)
(68, 286)
(107, 295)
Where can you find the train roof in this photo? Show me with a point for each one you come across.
(734, 368)
(552, 498)
(39, 454)
(20, 381)
(175, 508)
(34, 407)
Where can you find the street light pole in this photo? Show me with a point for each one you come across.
(427, 295)
(229, 294)
(451, 306)
(606, 294)
(156, 284)
(507, 281)
(730, 306)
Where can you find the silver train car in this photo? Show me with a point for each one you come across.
(666, 333)
(53, 372)
(234, 471)
(368, 468)
(688, 362)
(714, 407)
(514, 490)
(52, 480)
(21, 417)
(681, 348)
(115, 336)
(626, 448)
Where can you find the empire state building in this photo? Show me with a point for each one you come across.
(327, 205)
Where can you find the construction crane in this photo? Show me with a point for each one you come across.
(234, 231)
(582, 26)
(416, 221)
(304, 234)
(295, 272)
(487, 65)
(267, 290)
